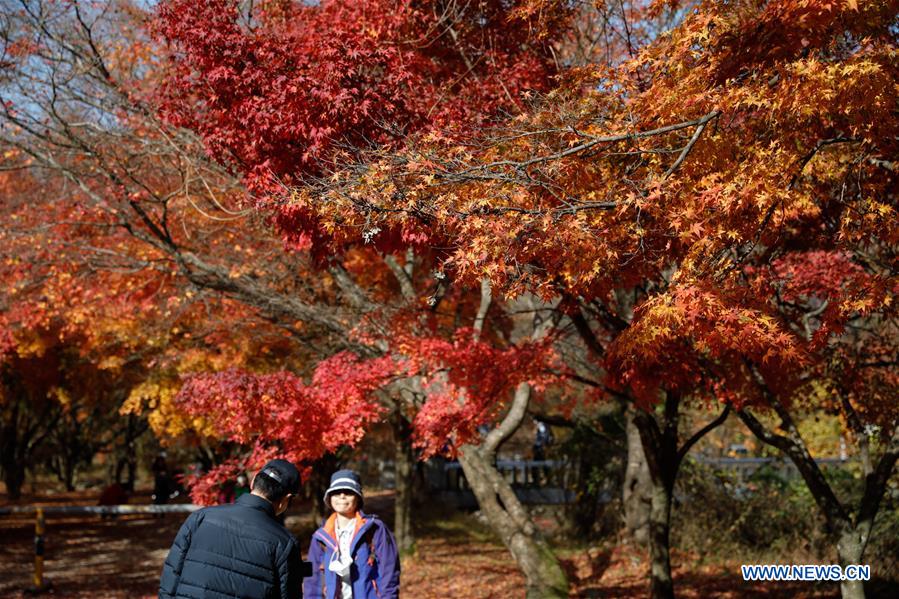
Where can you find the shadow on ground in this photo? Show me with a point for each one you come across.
(458, 557)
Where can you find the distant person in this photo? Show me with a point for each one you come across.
(239, 549)
(543, 438)
(112, 495)
(353, 554)
(161, 479)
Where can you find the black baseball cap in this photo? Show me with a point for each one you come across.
(284, 473)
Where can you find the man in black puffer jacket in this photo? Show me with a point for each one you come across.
(240, 549)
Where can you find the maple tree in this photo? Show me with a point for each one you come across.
(76, 333)
(680, 175)
(279, 90)
(300, 225)
(61, 387)
(135, 223)
(279, 414)
(58, 405)
(27, 414)
(708, 202)
(851, 373)
(473, 392)
(139, 190)
(282, 79)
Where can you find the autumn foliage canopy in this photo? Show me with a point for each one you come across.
(714, 193)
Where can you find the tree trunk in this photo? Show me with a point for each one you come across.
(850, 548)
(404, 461)
(134, 429)
(659, 546)
(64, 466)
(545, 578)
(664, 454)
(132, 473)
(660, 447)
(637, 495)
(14, 477)
(123, 462)
(11, 464)
(69, 474)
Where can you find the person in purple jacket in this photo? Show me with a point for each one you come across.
(353, 554)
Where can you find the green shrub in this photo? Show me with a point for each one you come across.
(771, 517)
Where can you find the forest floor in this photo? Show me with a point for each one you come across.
(457, 557)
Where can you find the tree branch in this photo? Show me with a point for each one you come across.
(834, 511)
(876, 481)
(402, 277)
(682, 452)
(486, 297)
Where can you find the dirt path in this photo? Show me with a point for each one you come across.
(89, 557)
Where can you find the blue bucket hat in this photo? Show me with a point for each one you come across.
(345, 480)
